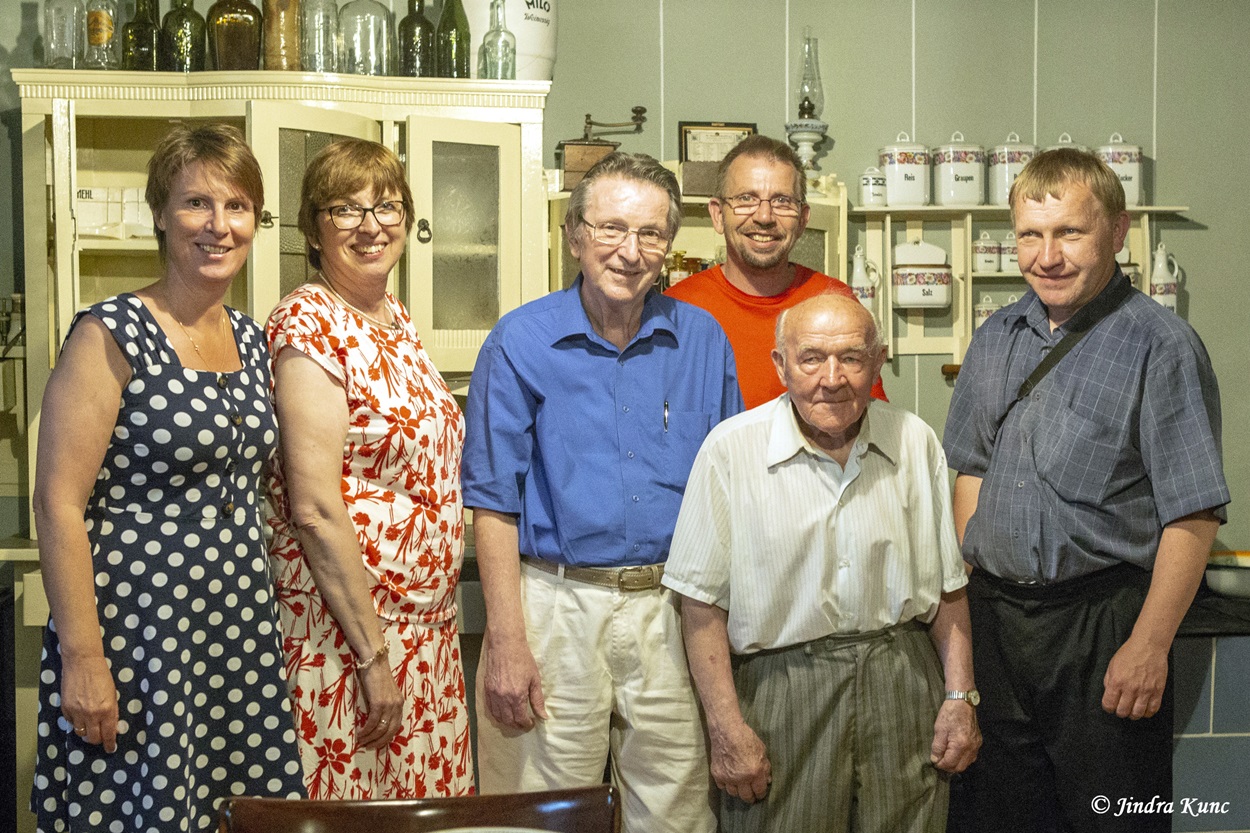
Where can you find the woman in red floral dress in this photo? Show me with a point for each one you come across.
(368, 521)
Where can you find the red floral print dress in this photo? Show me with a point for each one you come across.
(401, 484)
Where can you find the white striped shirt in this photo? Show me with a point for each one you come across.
(796, 548)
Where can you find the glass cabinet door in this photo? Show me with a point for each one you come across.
(284, 138)
(464, 250)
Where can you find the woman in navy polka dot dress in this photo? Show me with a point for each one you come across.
(162, 688)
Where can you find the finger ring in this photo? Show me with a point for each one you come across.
(383, 721)
(80, 729)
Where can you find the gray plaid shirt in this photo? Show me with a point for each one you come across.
(1121, 438)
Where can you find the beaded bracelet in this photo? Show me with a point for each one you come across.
(381, 653)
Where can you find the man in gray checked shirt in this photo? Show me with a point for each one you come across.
(1086, 508)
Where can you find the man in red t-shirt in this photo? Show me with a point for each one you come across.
(760, 206)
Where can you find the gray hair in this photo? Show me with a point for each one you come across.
(764, 147)
(779, 332)
(638, 167)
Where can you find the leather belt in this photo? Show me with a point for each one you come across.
(629, 579)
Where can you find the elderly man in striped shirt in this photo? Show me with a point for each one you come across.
(823, 597)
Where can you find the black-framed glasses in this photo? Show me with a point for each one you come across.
(782, 204)
(612, 234)
(348, 217)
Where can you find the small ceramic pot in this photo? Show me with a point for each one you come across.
(985, 252)
(872, 187)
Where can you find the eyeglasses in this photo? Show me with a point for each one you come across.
(348, 217)
(782, 204)
(611, 234)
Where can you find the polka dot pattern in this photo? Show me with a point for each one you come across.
(183, 593)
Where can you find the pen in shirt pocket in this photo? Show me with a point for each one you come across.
(665, 416)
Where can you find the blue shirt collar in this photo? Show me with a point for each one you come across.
(574, 322)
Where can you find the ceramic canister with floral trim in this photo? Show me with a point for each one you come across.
(906, 168)
(985, 253)
(958, 173)
(1125, 160)
(1006, 161)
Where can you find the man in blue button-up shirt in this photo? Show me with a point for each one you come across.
(585, 413)
(1087, 510)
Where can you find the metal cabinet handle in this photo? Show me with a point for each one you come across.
(266, 219)
(423, 231)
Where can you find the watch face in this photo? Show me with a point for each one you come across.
(973, 697)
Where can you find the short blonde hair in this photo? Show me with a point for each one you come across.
(345, 168)
(1052, 171)
(220, 148)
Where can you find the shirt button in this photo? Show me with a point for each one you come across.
(629, 454)
(228, 508)
(844, 564)
(637, 547)
(1020, 485)
(222, 381)
(635, 498)
(625, 409)
(237, 419)
(230, 465)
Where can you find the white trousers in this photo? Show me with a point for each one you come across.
(615, 680)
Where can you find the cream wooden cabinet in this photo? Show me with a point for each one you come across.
(473, 150)
(947, 331)
(822, 246)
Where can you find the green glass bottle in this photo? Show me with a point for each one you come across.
(416, 42)
(451, 40)
(182, 39)
(233, 35)
(141, 38)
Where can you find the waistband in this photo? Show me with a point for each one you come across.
(833, 642)
(1121, 575)
(628, 579)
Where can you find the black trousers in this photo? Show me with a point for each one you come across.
(1052, 760)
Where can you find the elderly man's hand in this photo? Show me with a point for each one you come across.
(956, 736)
(1135, 678)
(512, 685)
(740, 764)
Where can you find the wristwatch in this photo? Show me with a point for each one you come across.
(971, 697)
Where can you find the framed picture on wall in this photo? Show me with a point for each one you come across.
(709, 141)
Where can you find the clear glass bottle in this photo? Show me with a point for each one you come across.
(365, 29)
(451, 41)
(182, 39)
(282, 37)
(233, 35)
(64, 33)
(496, 57)
(810, 87)
(141, 38)
(416, 42)
(101, 51)
(319, 32)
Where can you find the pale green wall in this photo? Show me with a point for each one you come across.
(981, 67)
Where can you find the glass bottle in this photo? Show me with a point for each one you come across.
(496, 57)
(64, 35)
(182, 39)
(416, 42)
(810, 87)
(365, 29)
(319, 32)
(141, 38)
(233, 35)
(451, 41)
(101, 52)
(282, 37)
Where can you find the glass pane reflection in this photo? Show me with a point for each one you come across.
(466, 236)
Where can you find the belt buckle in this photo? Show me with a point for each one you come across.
(639, 578)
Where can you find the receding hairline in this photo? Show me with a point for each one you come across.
(872, 336)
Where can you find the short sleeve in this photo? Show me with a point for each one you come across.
(699, 557)
(966, 440)
(303, 321)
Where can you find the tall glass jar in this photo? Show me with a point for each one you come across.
(416, 42)
(141, 38)
(282, 37)
(101, 52)
(64, 33)
(233, 35)
(319, 30)
(496, 57)
(182, 39)
(368, 42)
(451, 39)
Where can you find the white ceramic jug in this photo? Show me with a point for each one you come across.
(1165, 278)
(864, 279)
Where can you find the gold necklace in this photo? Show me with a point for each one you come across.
(393, 325)
(187, 333)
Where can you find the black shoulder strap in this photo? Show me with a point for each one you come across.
(1082, 323)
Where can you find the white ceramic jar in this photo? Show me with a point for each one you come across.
(906, 168)
(1009, 254)
(1165, 278)
(982, 311)
(985, 253)
(958, 173)
(872, 187)
(1125, 160)
(1005, 162)
(921, 276)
